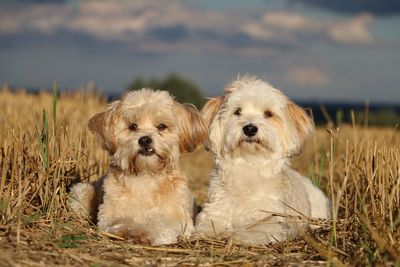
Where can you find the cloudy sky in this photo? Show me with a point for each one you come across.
(312, 49)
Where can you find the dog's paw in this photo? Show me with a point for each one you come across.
(135, 235)
(81, 199)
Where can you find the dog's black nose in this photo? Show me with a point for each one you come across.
(250, 130)
(145, 141)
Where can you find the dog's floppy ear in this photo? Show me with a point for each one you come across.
(192, 129)
(298, 127)
(211, 108)
(209, 111)
(102, 126)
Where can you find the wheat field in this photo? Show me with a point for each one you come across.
(46, 147)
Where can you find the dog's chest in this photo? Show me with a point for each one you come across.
(140, 189)
(252, 178)
(249, 189)
(141, 192)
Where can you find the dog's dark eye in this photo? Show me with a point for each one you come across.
(238, 112)
(133, 127)
(268, 114)
(162, 127)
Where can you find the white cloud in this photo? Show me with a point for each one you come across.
(354, 31)
(288, 21)
(103, 19)
(292, 26)
(307, 76)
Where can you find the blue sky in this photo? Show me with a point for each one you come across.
(327, 50)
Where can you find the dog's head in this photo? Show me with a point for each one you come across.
(252, 118)
(147, 130)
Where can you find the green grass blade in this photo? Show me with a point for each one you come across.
(55, 117)
(41, 145)
(46, 141)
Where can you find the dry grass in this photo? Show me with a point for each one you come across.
(358, 167)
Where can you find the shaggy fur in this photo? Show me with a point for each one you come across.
(254, 195)
(144, 196)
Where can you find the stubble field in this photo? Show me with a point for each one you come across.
(46, 147)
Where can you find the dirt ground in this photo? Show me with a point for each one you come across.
(69, 247)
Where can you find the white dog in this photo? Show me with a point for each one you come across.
(144, 196)
(254, 195)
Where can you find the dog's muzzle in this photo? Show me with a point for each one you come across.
(145, 143)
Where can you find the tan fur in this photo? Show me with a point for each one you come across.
(193, 130)
(211, 108)
(102, 125)
(146, 197)
(168, 186)
(134, 235)
(303, 127)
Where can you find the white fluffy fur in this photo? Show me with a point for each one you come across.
(254, 195)
(144, 196)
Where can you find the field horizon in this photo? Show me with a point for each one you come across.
(383, 114)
